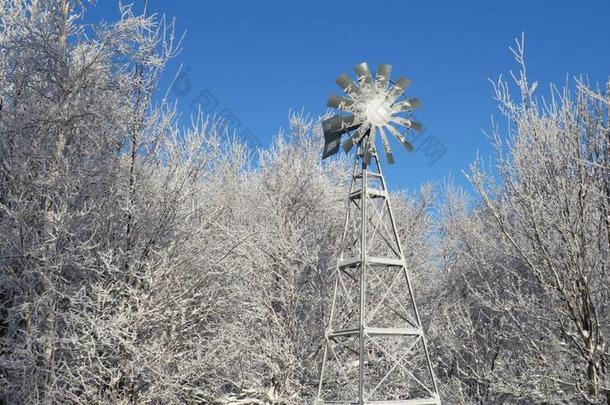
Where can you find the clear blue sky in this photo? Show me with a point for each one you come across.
(260, 59)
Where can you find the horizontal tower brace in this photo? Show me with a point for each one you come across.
(415, 401)
(372, 192)
(372, 261)
(369, 174)
(377, 332)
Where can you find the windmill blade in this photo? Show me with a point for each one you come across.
(347, 84)
(370, 147)
(400, 138)
(339, 124)
(338, 102)
(362, 133)
(407, 105)
(416, 126)
(402, 83)
(349, 144)
(414, 102)
(363, 73)
(399, 86)
(356, 137)
(386, 146)
(383, 75)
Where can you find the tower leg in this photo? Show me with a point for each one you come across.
(362, 312)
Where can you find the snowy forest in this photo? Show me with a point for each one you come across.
(142, 262)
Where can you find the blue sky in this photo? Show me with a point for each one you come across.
(257, 60)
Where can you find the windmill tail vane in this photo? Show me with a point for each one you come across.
(375, 351)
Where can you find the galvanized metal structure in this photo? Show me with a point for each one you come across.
(375, 351)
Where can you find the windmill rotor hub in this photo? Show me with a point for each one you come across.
(378, 112)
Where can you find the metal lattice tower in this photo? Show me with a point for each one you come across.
(375, 351)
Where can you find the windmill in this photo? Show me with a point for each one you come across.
(375, 351)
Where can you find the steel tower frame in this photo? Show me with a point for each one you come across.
(385, 333)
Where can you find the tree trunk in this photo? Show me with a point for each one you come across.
(50, 226)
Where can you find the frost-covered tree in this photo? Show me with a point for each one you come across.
(67, 110)
(527, 316)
